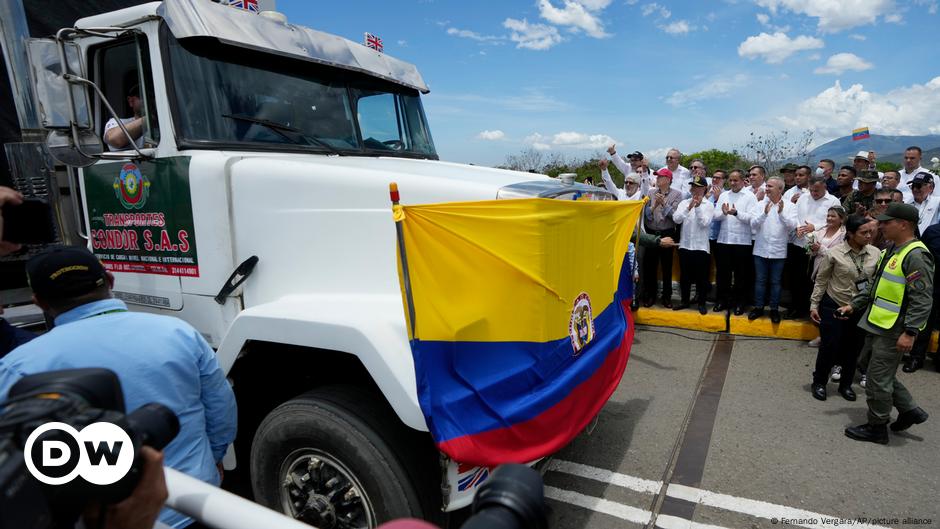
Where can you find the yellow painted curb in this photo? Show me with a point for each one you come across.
(718, 322)
(681, 319)
(788, 329)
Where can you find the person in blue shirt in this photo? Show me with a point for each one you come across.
(157, 358)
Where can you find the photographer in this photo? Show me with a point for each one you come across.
(10, 337)
(157, 358)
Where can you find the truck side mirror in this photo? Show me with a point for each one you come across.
(54, 94)
(62, 145)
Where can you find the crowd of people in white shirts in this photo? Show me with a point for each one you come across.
(757, 228)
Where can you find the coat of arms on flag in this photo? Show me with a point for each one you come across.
(247, 5)
(373, 42)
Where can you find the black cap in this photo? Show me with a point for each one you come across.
(897, 210)
(635, 155)
(789, 168)
(922, 178)
(62, 272)
(698, 181)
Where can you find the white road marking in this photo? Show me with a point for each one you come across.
(674, 522)
(612, 508)
(759, 509)
(606, 476)
(756, 508)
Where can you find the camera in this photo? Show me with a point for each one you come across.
(512, 498)
(72, 400)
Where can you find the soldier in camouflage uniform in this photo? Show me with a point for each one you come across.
(862, 200)
(897, 303)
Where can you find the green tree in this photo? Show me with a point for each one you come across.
(716, 159)
(887, 166)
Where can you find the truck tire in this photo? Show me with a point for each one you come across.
(329, 458)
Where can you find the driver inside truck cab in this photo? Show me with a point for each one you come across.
(114, 137)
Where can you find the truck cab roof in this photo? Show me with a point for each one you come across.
(200, 18)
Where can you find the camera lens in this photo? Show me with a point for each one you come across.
(156, 425)
(512, 498)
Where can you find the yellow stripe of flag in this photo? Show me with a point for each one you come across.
(510, 270)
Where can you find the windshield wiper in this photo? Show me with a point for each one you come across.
(281, 129)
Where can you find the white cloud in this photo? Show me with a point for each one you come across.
(856, 36)
(654, 8)
(716, 89)
(593, 5)
(931, 5)
(904, 111)
(472, 35)
(580, 15)
(492, 135)
(764, 20)
(894, 18)
(403, 43)
(679, 27)
(843, 62)
(815, 57)
(578, 140)
(532, 36)
(711, 16)
(570, 140)
(835, 15)
(632, 2)
(777, 47)
(538, 142)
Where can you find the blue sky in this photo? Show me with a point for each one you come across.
(573, 75)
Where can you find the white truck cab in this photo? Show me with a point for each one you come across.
(264, 160)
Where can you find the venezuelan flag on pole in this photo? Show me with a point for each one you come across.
(519, 319)
(860, 134)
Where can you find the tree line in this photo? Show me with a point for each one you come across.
(771, 150)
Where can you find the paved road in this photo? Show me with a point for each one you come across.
(718, 431)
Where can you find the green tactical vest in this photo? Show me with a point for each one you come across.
(889, 291)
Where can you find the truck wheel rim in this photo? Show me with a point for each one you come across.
(320, 490)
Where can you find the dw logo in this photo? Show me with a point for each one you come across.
(56, 453)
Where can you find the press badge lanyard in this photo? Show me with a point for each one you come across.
(858, 263)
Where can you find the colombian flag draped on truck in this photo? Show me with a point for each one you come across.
(519, 319)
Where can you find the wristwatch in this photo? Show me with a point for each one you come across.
(911, 332)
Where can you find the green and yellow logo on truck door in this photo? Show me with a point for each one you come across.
(131, 187)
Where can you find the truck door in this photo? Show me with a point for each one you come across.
(138, 211)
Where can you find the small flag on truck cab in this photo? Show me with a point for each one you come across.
(518, 317)
(246, 5)
(373, 42)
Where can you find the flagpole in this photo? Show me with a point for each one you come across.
(406, 276)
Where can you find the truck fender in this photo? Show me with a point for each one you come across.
(370, 327)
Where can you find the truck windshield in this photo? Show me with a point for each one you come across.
(234, 98)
